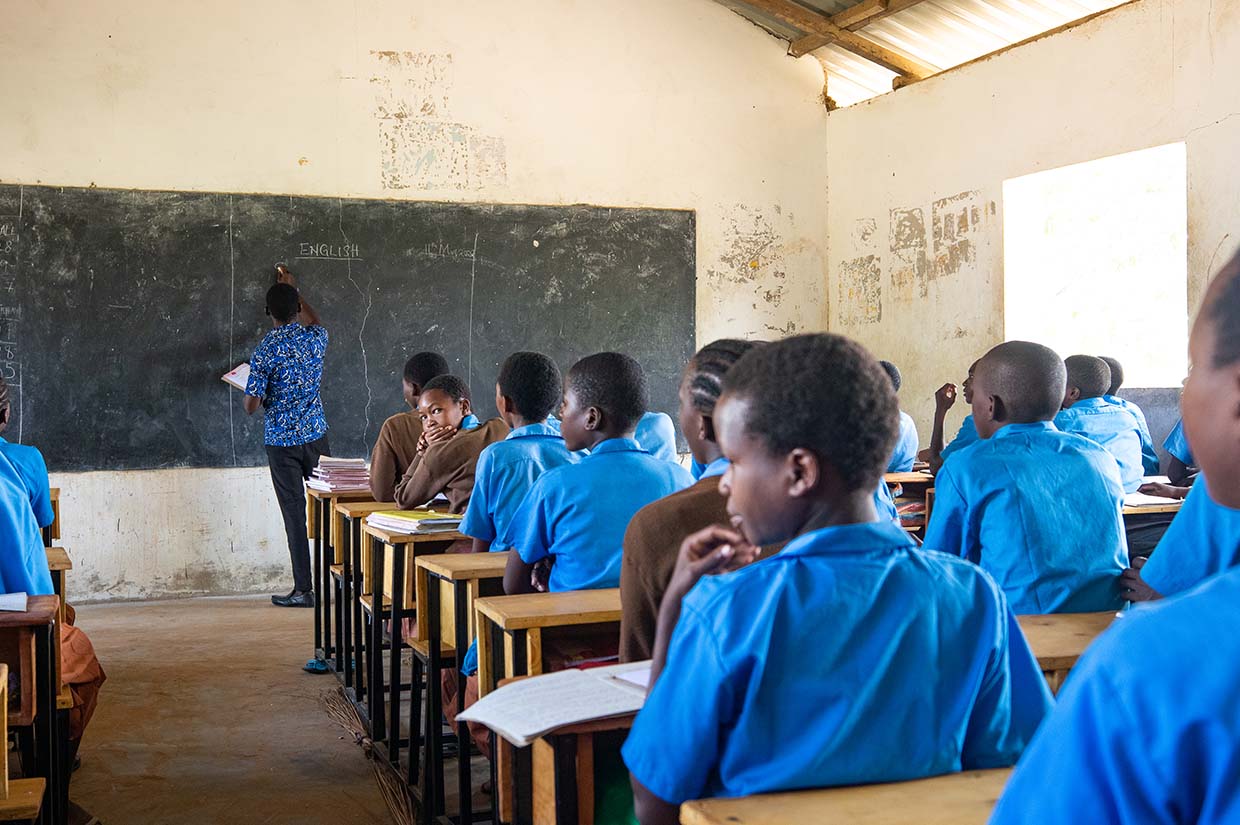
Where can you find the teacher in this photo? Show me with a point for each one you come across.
(285, 374)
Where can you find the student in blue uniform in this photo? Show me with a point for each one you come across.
(944, 400)
(905, 452)
(1001, 503)
(850, 656)
(1202, 541)
(575, 515)
(1182, 467)
(1147, 728)
(25, 506)
(1085, 412)
(657, 435)
(1149, 457)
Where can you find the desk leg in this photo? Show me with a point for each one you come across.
(47, 745)
(464, 779)
(322, 580)
(394, 654)
(496, 669)
(317, 581)
(523, 761)
(344, 609)
(374, 693)
(564, 757)
(434, 790)
(359, 643)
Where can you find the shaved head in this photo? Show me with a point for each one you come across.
(1089, 374)
(1018, 383)
(1117, 374)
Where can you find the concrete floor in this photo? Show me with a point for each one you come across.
(207, 717)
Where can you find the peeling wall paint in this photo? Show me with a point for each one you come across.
(1143, 75)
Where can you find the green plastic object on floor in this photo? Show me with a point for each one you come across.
(613, 795)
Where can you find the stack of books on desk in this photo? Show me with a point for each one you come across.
(414, 521)
(340, 475)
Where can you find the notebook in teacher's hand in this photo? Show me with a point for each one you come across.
(237, 377)
(525, 709)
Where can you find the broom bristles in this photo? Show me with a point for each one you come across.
(392, 787)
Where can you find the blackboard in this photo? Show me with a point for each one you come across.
(121, 309)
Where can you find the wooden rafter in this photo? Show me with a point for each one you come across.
(811, 22)
(852, 19)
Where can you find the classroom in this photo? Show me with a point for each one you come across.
(406, 406)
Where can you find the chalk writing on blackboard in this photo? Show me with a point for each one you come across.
(327, 251)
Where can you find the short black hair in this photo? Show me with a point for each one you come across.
(613, 382)
(893, 372)
(1089, 374)
(283, 302)
(846, 414)
(708, 367)
(1117, 374)
(1224, 313)
(532, 381)
(454, 386)
(1028, 378)
(424, 366)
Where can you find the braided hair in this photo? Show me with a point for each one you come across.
(709, 365)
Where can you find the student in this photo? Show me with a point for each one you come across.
(1085, 412)
(398, 439)
(447, 455)
(25, 507)
(1202, 541)
(1149, 458)
(1147, 728)
(944, 400)
(848, 657)
(576, 515)
(1001, 503)
(1182, 467)
(905, 452)
(657, 435)
(655, 533)
(286, 371)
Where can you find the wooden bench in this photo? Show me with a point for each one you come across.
(319, 506)
(955, 799)
(19, 798)
(447, 587)
(51, 532)
(1058, 640)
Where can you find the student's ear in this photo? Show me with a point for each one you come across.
(466, 407)
(706, 429)
(594, 419)
(998, 409)
(1070, 397)
(803, 472)
(503, 405)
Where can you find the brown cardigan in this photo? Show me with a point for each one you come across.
(448, 468)
(651, 545)
(394, 451)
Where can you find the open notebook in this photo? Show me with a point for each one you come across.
(524, 710)
(237, 377)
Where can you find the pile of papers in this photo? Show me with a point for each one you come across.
(340, 475)
(414, 521)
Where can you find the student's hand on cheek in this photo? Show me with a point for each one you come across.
(436, 434)
(945, 397)
(716, 549)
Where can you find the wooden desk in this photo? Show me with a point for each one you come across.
(447, 586)
(893, 479)
(954, 799)
(564, 769)
(350, 640)
(385, 726)
(1059, 639)
(319, 506)
(1172, 506)
(51, 532)
(28, 646)
(511, 633)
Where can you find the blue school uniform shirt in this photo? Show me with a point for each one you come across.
(579, 512)
(657, 435)
(1176, 444)
(849, 657)
(33, 471)
(905, 453)
(1147, 728)
(23, 561)
(285, 372)
(1202, 541)
(1149, 457)
(1041, 511)
(1112, 427)
(966, 436)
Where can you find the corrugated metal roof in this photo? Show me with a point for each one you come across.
(938, 33)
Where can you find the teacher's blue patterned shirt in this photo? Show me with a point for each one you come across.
(285, 372)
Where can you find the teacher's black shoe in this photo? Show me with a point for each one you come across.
(298, 598)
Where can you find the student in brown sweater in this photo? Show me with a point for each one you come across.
(399, 436)
(654, 535)
(447, 453)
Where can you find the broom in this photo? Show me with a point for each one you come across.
(391, 785)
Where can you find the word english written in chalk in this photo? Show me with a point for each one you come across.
(348, 251)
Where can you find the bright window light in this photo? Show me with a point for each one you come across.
(1095, 261)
